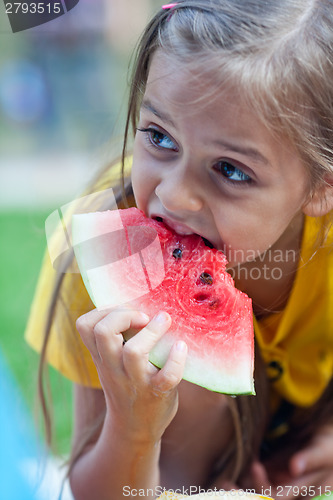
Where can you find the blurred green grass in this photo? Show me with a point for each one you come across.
(22, 246)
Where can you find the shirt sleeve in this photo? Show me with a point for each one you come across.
(65, 349)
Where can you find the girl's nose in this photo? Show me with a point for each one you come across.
(179, 196)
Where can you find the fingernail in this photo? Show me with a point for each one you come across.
(300, 466)
(144, 316)
(161, 317)
(181, 346)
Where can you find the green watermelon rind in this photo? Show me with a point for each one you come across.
(327, 495)
(201, 371)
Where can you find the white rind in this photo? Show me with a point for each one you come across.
(115, 281)
(237, 379)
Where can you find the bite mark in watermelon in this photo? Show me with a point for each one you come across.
(127, 258)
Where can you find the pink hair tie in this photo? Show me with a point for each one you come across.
(168, 6)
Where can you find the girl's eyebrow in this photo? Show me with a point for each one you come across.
(146, 104)
(244, 150)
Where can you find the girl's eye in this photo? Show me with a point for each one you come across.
(232, 173)
(158, 139)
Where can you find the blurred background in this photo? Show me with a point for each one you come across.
(63, 96)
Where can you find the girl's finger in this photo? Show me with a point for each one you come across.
(136, 350)
(109, 342)
(259, 476)
(100, 330)
(316, 455)
(85, 325)
(302, 462)
(172, 372)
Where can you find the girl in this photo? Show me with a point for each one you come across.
(231, 105)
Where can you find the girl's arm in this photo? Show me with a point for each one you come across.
(104, 468)
(138, 400)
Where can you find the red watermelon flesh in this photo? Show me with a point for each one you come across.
(127, 258)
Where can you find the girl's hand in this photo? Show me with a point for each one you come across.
(317, 456)
(141, 400)
(309, 473)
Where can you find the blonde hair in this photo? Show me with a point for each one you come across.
(278, 56)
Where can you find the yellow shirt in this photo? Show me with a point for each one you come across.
(297, 344)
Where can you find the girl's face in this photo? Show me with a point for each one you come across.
(211, 167)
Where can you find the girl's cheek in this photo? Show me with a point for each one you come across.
(142, 186)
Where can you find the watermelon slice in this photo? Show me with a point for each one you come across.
(127, 258)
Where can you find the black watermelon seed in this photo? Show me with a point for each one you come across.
(177, 253)
(214, 304)
(206, 278)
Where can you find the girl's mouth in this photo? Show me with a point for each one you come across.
(181, 229)
(207, 243)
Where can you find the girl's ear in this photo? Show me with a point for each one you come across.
(321, 200)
